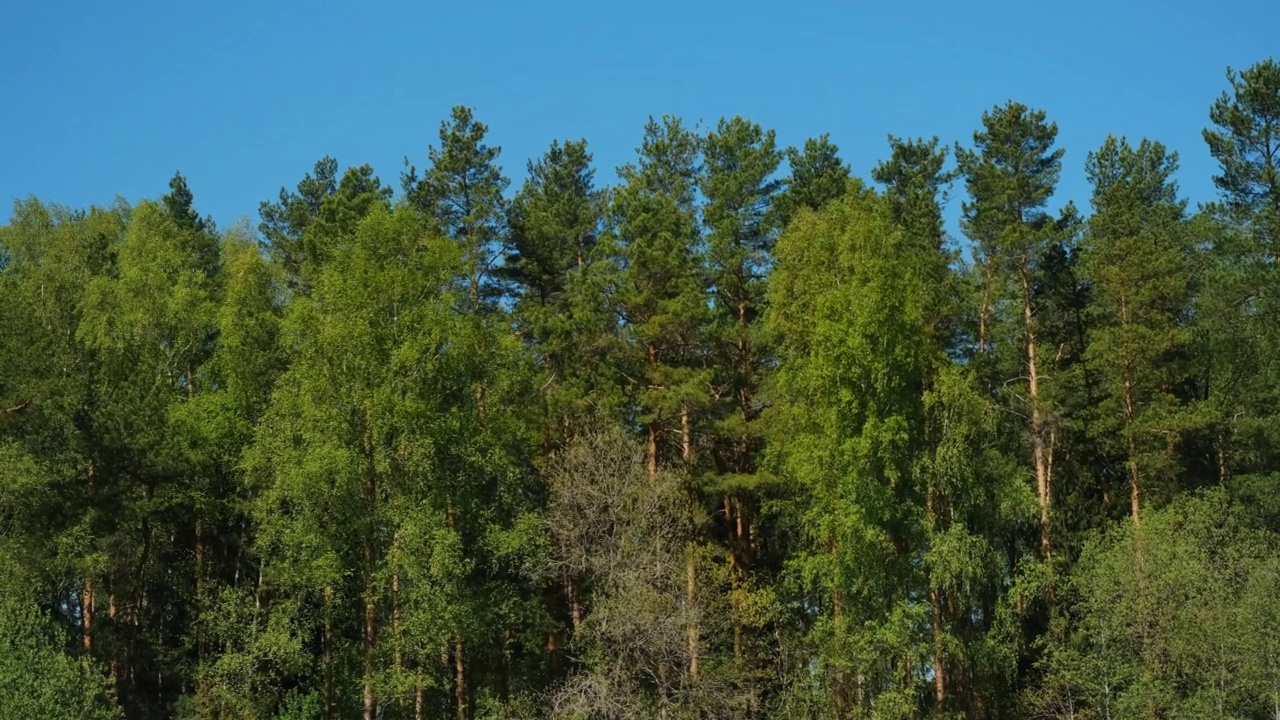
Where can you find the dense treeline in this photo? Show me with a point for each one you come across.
(743, 436)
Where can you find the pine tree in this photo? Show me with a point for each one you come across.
(1246, 144)
(1237, 321)
(462, 192)
(739, 182)
(818, 176)
(285, 221)
(1138, 256)
(556, 220)
(661, 286)
(1010, 176)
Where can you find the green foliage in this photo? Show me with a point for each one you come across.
(660, 279)
(818, 176)
(722, 441)
(1170, 619)
(1246, 143)
(848, 309)
(1138, 253)
(38, 680)
(462, 192)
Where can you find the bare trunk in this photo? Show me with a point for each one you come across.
(460, 679)
(1135, 482)
(664, 690)
(117, 669)
(654, 425)
(201, 607)
(1224, 472)
(984, 307)
(935, 607)
(738, 525)
(731, 554)
(327, 651)
(1039, 424)
(87, 602)
(418, 698)
(553, 651)
(86, 613)
(370, 648)
(370, 584)
(481, 405)
(939, 670)
(691, 597)
(575, 604)
(686, 437)
(1130, 414)
(652, 442)
(840, 684)
(397, 659)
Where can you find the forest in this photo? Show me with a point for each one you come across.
(741, 436)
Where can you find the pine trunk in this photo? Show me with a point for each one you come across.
(397, 659)
(686, 437)
(840, 683)
(691, 598)
(418, 698)
(939, 669)
(460, 679)
(935, 608)
(652, 450)
(327, 652)
(370, 584)
(87, 602)
(1135, 481)
(86, 613)
(575, 604)
(1039, 423)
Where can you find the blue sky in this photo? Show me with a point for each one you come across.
(103, 99)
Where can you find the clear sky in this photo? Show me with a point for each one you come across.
(102, 98)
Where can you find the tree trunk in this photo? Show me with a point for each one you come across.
(1224, 472)
(655, 425)
(691, 598)
(199, 561)
(1130, 415)
(984, 307)
(370, 583)
(397, 659)
(840, 683)
(1039, 423)
(327, 651)
(686, 437)
(1135, 482)
(935, 607)
(87, 602)
(652, 446)
(939, 670)
(418, 698)
(370, 647)
(731, 554)
(460, 679)
(575, 604)
(86, 613)
(664, 690)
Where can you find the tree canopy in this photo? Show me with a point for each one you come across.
(740, 436)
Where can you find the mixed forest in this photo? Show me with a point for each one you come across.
(741, 436)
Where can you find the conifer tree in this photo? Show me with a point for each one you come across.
(1138, 254)
(1010, 175)
(739, 182)
(462, 191)
(818, 176)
